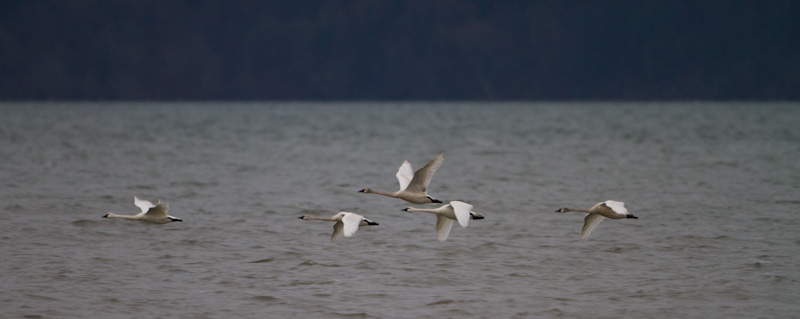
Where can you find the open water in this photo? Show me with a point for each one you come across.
(716, 187)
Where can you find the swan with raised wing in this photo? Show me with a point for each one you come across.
(414, 185)
(156, 214)
(346, 224)
(447, 214)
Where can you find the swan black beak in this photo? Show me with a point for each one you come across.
(301, 217)
(105, 216)
(405, 209)
(631, 216)
(362, 191)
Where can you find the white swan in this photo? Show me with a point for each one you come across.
(414, 185)
(156, 214)
(346, 224)
(608, 209)
(446, 214)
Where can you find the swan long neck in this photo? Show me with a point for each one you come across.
(112, 215)
(319, 218)
(390, 194)
(577, 210)
(426, 210)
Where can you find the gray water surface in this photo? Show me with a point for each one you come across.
(716, 187)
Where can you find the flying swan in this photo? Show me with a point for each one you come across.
(446, 214)
(346, 224)
(608, 209)
(156, 214)
(414, 185)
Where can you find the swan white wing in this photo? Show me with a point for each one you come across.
(144, 205)
(338, 231)
(158, 211)
(590, 223)
(443, 226)
(405, 174)
(617, 207)
(351, 222)
(422, 177)
(461, 209)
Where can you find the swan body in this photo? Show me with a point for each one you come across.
(346, 224)
(447, 214)
(608, 209)
(414, 185)
(156, 214)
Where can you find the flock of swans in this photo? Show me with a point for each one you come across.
(413, 189)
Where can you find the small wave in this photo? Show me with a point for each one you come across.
(308, 263)
(441, 302)
(354, 315)
(614, 250)
(194, 242)
(787, 202)
(314, 263)
(266, 298)
(193, 183)
(730, 164)
(311, 283)
(14, 208)
(40, 297)
(266, 260)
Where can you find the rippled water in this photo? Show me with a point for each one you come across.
(716, 187)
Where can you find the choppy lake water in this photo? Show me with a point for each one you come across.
(716, 187)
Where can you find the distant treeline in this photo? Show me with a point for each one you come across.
(417, 49)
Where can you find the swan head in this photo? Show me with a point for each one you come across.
(105, 216)
(366, 190)
(303, 217)
(405, 209)
(631, 216)
(563, 210)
